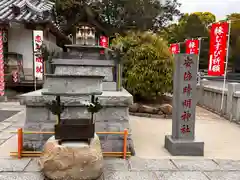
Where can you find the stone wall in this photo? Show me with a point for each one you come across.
(210, 97)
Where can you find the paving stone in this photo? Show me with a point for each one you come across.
(11, 128)
(120, 175)
(196, 164)
(229, 165)
(6, 135)
(13, 165)
(139, 164)
(2, 141)
(21, 176)
(182, 175)
(116, 164)
(4, 125)
(33, 166)
(232, 175)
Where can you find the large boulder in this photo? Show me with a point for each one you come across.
(148, 109)
(72, 160)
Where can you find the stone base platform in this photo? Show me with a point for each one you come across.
(72, 160)
(114, 117)
(183, 147)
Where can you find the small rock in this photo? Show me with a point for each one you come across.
(160, 112)
(148, 109)
(166, 109)
(134, 107)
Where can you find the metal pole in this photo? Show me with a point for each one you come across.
(198, 60)
(226, 64)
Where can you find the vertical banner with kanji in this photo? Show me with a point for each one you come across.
(192, 46)
(184, 93)
(175, 48)
(217, 52)
(37, 54)
(2, 83)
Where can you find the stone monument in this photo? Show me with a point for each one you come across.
(74, 152)
(182, 142)
(84, 61)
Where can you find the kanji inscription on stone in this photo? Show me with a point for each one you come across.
(184, 96)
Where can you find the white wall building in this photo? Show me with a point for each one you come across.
(19, 19)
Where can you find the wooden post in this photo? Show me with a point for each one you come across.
(125, 143)
(20, 142)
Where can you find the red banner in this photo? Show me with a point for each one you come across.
(175, 48)
(2, 83)
(103, 41)
(192, 46)
(218, 45)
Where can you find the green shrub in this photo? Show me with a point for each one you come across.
(148, 64)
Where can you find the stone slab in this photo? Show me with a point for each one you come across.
(139, 164)
(184, 147)
(120, 175)
(84, 62)
(109, 86)
(235, 175)
(228, 165)
(22, 176)
(115, 164)
(107, 98)
(13, 165)
(107, 72)
(113, 145)
(32, 166)
(196, 165)
(5, 135)
(107, 114)
(4, 114)
(70, 84)
(184, 175)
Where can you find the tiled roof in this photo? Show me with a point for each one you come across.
(26, 10)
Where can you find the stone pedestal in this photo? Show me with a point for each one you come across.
(182, 141)
(72, 160)
(184, 147)
(74, 72)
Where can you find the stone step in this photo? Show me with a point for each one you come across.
(73, 84)
(106, 71)
(107, 98)
(114, 114)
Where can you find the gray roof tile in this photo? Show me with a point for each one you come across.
(26, 10)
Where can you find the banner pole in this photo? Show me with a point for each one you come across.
(226, 65)
(198, 60)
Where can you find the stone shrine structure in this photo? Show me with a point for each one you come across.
(182, 142)
(87, 63)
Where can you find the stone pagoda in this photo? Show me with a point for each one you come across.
(80, 73)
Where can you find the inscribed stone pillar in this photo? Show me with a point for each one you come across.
(182, 141)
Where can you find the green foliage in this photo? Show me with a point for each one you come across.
(120, 15)
(148, 64)
(234, 54)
